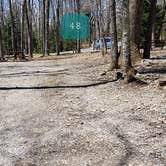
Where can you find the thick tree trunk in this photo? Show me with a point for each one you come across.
(129, 70)
(114, 49)
(108, 23)
(148, 36)
(2, 12)
(126, 35)
(160, 25)
(136, 12)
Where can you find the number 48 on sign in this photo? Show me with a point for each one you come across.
(75, 26)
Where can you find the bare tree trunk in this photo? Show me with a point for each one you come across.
(126, 35)
(2, 12)
(23, 29)
(114, 49)
(30, 13)
(78, 40)
(44, 27)
(108, 23)
(136, 12)
(55, 24)
(129, 70)
(98, 33)
(47, 26)
(154, 26)
(29, 29)
(162, 22)
(148, 36)
(14, 41)
(40, 24)
(1, 30)
(102, 32)
(58, 29)
(91, 31)
(1, 45)
(153, 36)
(45, 21)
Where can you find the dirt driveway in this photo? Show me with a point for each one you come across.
(106, 125)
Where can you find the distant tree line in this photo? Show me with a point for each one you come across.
(34, 26)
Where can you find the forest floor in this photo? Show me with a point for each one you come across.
(109, 124)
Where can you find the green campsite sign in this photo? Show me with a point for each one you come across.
(75, 26)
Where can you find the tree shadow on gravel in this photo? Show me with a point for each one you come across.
(130, 151)
(154, 70)
(58, 86)
(159, 58)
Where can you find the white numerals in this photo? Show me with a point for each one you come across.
(76, 26)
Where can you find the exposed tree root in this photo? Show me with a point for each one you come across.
(130, 75)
